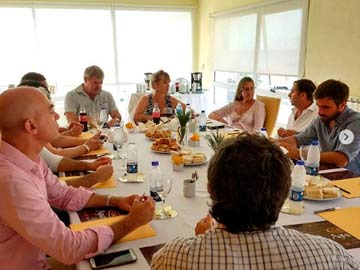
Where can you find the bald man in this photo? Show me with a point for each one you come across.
(29, 229)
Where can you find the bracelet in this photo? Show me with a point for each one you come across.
(86, 147)
(108, 198)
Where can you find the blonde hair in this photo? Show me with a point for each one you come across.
(239, 89)
(159, 76)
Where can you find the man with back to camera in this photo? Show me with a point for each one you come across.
(29, 229)
(304, 110)
(90, 96)
(248, 181)
(337, 128)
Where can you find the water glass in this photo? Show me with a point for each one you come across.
(304, 149)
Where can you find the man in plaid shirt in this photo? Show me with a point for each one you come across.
(248, 181)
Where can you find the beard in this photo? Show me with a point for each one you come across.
(327, 119)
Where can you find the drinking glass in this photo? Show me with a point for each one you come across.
(163, 188)
(304, 149)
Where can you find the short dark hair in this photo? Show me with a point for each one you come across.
(248, 180)
(36, 84)
(334, 89)
(94, 72)
(33, 76)
(306, 86)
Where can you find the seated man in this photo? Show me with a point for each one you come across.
(248, 181)
(304, 111)
(38, 80)
(90, 96)
(334, 117)
(29, 229)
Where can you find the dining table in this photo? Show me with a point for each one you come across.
(189, 210)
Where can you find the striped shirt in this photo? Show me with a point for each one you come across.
(277, 248)
(150, 106)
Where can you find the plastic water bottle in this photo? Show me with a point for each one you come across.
(156, 114)
(179, 108)
(313, 159)
(264, 133)
(154, 176)
(202, 121)
(132, 160)
(187, 108)
(298, 176)
(83, 118)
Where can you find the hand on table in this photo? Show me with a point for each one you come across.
(75, 128)
(142, 210)
(103, 173)
(100, 161)
(94, 144)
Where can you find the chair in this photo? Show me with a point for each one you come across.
(272, 106)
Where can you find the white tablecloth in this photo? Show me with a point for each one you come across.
(190, 210)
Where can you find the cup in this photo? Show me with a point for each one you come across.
(189, 188)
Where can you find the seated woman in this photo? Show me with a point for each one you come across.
(244, 112)
(160, 83)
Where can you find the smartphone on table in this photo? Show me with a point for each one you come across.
(113, 259)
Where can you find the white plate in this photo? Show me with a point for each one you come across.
(200, 163)
(161, 152)
(326, 199)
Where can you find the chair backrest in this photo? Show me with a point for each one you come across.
(272, 106)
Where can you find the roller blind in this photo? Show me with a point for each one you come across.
(268, 39)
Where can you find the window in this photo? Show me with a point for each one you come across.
(60, 41)
(264, 41)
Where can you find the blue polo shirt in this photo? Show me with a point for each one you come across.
(329, 138)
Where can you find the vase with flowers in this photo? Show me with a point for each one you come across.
(184, 118)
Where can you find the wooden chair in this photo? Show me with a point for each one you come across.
(272, 106)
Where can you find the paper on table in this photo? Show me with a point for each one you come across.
(141, 232)
(97, 152)
(351, 184)
(110, 183)
(344, 219)
(85, 135)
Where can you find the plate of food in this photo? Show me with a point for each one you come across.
(154, 134)
(147, 126)
(320, 189)
(191, 158)
(165, 145)
(195, 159)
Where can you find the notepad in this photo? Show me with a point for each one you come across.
(110, 183)
(351, 184)
(345, 218)
(142, 232)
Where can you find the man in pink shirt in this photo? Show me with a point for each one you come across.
(29, 229)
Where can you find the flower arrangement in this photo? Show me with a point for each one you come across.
(214, 140)
(178, 162)
(184, 118)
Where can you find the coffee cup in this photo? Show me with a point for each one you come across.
(189, 188)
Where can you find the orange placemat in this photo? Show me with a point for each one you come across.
(142, 232)
(85, 135)
(351, 184)
(347, 219)
(110, 183)
(97, 152)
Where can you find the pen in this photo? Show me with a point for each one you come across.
(326, 210)
(101, 155)
(344, 190)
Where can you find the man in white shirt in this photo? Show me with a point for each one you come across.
(304, 111)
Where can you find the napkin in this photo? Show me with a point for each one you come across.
(351, 184)
(142, 232)
(344, 219)
(110, 183)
